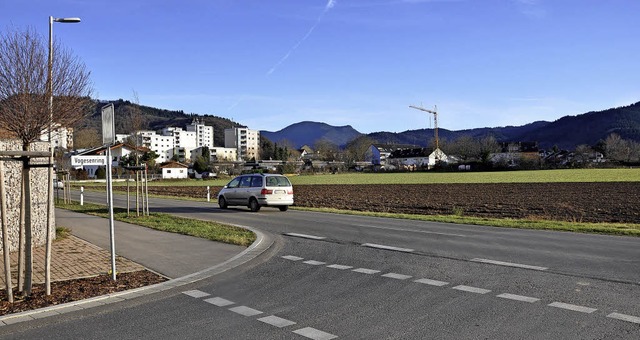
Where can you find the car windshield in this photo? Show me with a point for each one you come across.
(278, 181)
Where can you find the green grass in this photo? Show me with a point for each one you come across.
(536, 224)
(204, 229)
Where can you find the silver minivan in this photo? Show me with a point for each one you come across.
(257, 190)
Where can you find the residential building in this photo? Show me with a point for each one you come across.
(413, 159)
(245, 141)
(62, 137)
(203, 133)
(174, 170)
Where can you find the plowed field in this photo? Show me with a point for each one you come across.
(574, 202)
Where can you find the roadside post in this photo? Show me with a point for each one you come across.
(208, 194)
(108, 138)
(81, 195)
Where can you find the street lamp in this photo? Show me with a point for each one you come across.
(50, 179)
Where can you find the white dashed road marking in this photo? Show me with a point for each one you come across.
(380, 246)
(366, 271)
(314, 334)
(339, 266)
(432, 282)
(312, 237)
(246, 311)
(276, 321)
(196, 293)
(624, 317)
(509, 264)
(218, 301)
(397, 276)
(314, 263)
(292, 258)
(471, 289)
(574, 308)
(518, 297)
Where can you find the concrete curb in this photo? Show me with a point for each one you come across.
(260, 245)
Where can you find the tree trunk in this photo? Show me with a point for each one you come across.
(6, 247)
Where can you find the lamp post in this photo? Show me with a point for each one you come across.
(49, 176)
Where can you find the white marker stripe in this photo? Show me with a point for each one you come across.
(339, 266)
(471, 289)
(624, 317)
(196, 293)
(518, 297)
(292, 258)
(380, 246)
(245, 311)
(509, 264)
(574, 308)
(313, 237)
(314, 334)
(397, 276)
(218, 301)
(432, 282)
(276, 321)
(366, 271)
(314, 263)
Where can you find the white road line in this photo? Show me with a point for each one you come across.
(196, 293)
(471, 289)
(312, 237)
(276, 321)
(218, 301)
(409, 230)
(366, 271)
(624, 317)
(518, 297)
(339, 266)
(508, 264)
(314, 263)
(432, 282)
(380, 246)
(292, 258)
(314, 334)
(574, 308)
(397, 276)
(245, 311)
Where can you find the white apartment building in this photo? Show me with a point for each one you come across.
(61, 137)
(203, 133)
(245, 141)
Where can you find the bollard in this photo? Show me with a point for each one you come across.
(208, 194)
(81, 195)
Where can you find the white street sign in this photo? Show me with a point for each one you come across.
(88, 160)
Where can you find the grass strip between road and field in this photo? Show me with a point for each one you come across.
(209, 230)
(618, 229)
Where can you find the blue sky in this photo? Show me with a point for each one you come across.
(271, 63)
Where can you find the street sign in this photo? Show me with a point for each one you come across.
(88, 160)
(108, 125)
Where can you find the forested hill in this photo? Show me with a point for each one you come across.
(130, 117)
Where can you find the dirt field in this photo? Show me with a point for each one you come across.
(576, 202)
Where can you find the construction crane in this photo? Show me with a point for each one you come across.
(435, 120)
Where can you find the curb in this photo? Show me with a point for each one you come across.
(260, 245)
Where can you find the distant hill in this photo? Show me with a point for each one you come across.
(154, 119)
(307, 133)
(566, 132)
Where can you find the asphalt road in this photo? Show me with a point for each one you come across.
(349, 277)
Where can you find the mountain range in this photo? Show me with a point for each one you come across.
(565, 133)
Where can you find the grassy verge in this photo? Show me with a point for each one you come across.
(204, 229)
(591, 228)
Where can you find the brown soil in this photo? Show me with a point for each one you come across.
(574, 202)
(74, 290)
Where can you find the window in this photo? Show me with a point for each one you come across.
(234, 184)
(168, 171)
(245, 182)
(256, 182)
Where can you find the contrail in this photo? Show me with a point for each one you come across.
(330, 5)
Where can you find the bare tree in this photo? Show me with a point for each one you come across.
(24, 104)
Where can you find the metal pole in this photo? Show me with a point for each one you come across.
(49, 240)
(111, 226)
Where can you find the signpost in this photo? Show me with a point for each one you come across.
(108, 138)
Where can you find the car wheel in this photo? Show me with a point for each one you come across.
(254, 205)
(283, 207)
(222, 202)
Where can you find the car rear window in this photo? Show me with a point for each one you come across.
(278, 181)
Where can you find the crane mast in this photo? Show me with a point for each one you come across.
(435, 121)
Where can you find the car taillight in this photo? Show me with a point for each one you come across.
(266, 191)
(290, 192)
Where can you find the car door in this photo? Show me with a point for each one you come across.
(231, 191)
(244, 190)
